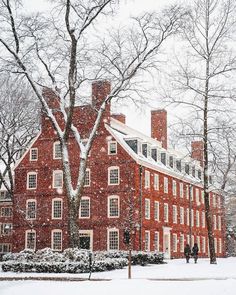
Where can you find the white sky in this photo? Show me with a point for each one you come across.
(136, 118)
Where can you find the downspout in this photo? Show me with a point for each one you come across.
(141, 205)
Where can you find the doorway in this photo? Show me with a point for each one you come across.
(86, 239)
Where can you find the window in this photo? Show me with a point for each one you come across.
(165, 185)
(56, 240)
(181, 215)
(174, 242)
(147, 179)
(156, 241)
(31, 209)
(187, 191)
(215, 243)
(178, 165)
(166, 214)
(219, 222)
(203, 201)
(214, 222)
(156, 182)
(199, 243)
(197, 219)
(214, 200)
(113, 206)
(188, 240)
(181, 190)
(5, 229)
(147, 209)
(87, 177)
(171, 161)
(219, 202)
(6, 211)
(4, 195)
(197, 195)
(175, 214)
(5, 248)
(57, 179)
(163, 158)
(57, 154)
(113, 239)
(187, 169)
(192, 240)
(220, 245)
(57, 209)
(174, 190)
(191, 193)
(187, 216)
(112, 148)
(156, 210)
(192, 217)
(203, 244)
(33, 154)
(113, 176)
(181, 241)
(203, 219)
(84, 209)
(32, 180)
(30, 239)
(147, 240)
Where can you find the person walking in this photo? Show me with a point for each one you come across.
(187, 252)
(195, 252)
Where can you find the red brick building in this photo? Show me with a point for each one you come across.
(132, 181)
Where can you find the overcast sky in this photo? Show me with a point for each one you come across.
(136, 118)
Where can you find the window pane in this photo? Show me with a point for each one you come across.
(113, 240)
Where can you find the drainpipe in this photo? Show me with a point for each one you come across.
(141, 205)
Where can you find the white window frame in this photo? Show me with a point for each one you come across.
(214, 222)
(55, 172)
(197, 196)
(175, 214)
(174, 187)
(85, 198)
(181, 215)
(166, 212)
(31, 154)
(55, 156)
(109, 206)
(6, 229)
(26, 238)
(187, 191)
(147, 208)
(156, 182)
(28, 180)
(215, 244)
(27, 213)
(181, 242)
(203, 245)
(109, 175)
(156, 241)
(166, 185)
(147, 179)
(52, 239)
(110, 143)
(109, 230)
(199, 243)
(220, 246)
(53, 207)
(6, 209)
(87, 172)
(147, 240)
(174, 242)
(219, 222)
(203, 219)
(156, 211)
(197, 219)
(181, 189)
(187, 217)
(202, 196)
(192, 217)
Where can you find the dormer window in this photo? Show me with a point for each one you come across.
(187, 169)
(146, 150)
(178, 165)
(193, 171)
(210, 179)
(135, 145)
(171, 161)
(199, 174)
(163, 158)
(154, 154)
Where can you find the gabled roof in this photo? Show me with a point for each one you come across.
(121, 132)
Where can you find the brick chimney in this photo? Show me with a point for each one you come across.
(51, 98)
(119, 117)
(100, 90)
(159, 126)
(198, 151)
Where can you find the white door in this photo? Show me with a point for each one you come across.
(166, 245)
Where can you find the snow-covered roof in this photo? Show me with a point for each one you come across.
(121, 133)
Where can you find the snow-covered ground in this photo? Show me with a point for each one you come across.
(192, 279)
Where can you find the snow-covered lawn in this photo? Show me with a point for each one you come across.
(194, 279)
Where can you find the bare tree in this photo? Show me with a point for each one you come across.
(205, 78)
(62, 52)
(18, 125)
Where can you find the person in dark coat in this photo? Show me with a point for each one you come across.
(187, 252)
(195, 252)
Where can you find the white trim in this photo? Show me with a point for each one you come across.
(53, 178)
(27, 150)
(108, 238)
(147, 201)
(109, 150)
(54, 144)
(147, 247)
(89, 171)
(27, 201)
(26, 234)
(53, 200)
(89, 232)
(52, 240)
(113, 168)
(31, 149)
(167, 206)
(85, 217)
(108, 206)
(175, 242)
(158, 211)
(27, 181)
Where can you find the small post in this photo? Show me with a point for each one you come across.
(129, 266)
(127, 241)
(90, 265)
